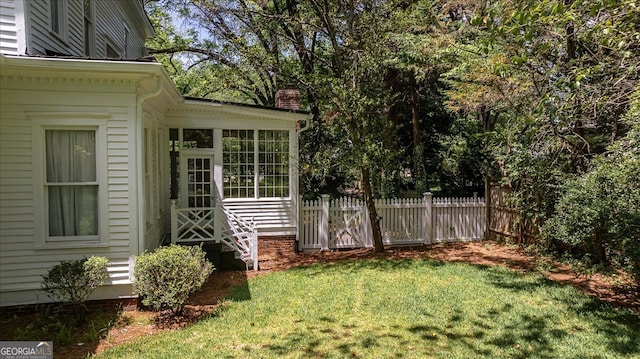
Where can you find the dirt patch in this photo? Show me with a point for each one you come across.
(133, 324)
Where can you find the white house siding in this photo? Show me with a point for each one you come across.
(111, 18)
(271, 216)
(41, 38)
(21, 96)
(12, 40)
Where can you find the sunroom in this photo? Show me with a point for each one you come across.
(233, 171)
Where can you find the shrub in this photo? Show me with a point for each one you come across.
(74, 281)
(599, 211)
(167, 277)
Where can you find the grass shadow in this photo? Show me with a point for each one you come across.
(620, 326)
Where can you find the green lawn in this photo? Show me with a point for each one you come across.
(402, 309)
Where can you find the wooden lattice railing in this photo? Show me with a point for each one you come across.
(217, 224)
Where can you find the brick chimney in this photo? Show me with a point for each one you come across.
(288, 99)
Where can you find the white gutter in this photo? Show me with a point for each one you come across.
(307, 124)
(139, 160)
(297, 198)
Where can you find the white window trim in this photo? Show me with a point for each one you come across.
(68, 121)
(91, 41)
(159, 173)
(147, 170)
(256, 165)
(61, 33)
(126, 39)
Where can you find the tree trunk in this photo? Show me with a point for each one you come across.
(484, 114)
(373, 213)
(571, 36)
(419, 171)
(598, 246)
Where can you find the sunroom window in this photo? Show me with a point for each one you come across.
(255, 163)
(71, 184)
(273, 164)
(238, 163)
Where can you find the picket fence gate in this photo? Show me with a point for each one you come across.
(344, 222)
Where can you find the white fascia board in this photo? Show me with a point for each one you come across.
(93, 68)
(244, 110)
(80, 65)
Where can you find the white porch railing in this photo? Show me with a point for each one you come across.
(344, 222)
(241, 235)
(218, 224)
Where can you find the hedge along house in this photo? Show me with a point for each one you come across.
(100, 154)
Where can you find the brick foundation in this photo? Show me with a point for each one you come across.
(272, 248)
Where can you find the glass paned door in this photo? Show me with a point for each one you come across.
(199, 176)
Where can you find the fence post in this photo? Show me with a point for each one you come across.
(300, 241)
(427, 219)
(487, 207)
(324, 223)
(254, 244)
(174, 222)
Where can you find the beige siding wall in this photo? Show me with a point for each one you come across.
(21, 263)
(112, 19)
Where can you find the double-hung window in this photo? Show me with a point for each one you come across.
(71, 184)
(69, 178)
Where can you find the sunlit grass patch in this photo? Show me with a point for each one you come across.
(401, 308)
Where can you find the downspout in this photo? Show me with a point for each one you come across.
(139, 128)
(307, 125)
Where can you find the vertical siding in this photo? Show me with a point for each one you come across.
(8, 27)
(21, 264)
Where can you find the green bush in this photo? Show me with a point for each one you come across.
(74, 281)
(167, 277)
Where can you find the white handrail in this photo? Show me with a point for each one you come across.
(202, 224)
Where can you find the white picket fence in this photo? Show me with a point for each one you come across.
(344, 222)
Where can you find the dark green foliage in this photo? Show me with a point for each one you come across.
(568, 70)
(167, 277)
(74, 281)
(599, 211)
(409, 96)
(464, 159)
